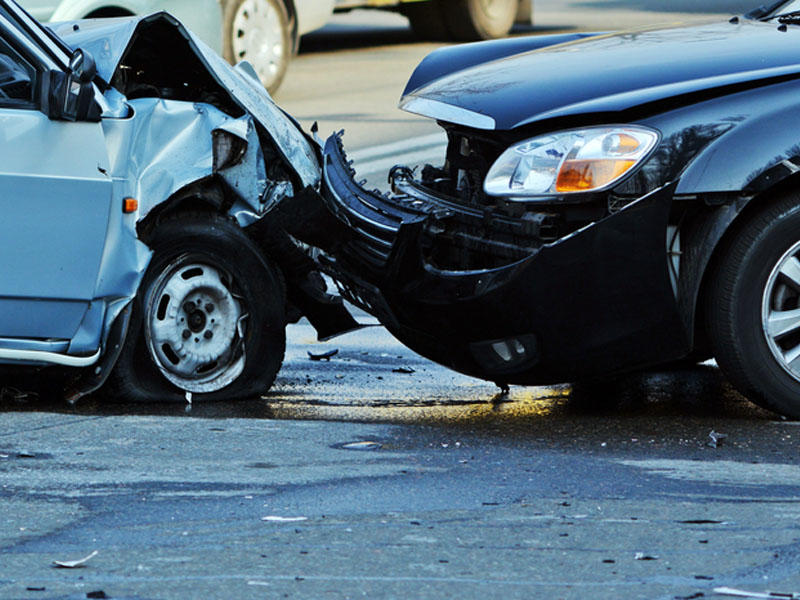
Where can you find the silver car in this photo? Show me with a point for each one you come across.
(142, 242)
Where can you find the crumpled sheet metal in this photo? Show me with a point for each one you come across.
(164, 147)
(169, 145)
(108, 40)
(105, 39)
(248, 178)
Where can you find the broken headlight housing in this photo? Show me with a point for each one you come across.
(229, 149)
(569, 162)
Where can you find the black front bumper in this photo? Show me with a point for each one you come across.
(519, 309)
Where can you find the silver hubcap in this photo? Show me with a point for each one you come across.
(780, 311)
(258, 37)
(194, 326)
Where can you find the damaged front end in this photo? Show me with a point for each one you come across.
(187, 135)
(575, 223)
(508, 292)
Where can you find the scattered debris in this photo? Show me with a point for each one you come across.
(715, 439)
(362, 445)
(405, 370)
(74, 564)
(726, 591)
(276, 519)
(643, 556)
(324, 356)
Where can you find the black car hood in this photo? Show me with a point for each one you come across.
(606, 73)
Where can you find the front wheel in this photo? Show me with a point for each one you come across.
(753, 313)
(258, 31)
(209, 317)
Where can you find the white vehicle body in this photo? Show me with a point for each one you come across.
(203, 17)
(312, 14)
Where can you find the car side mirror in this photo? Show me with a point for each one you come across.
(82, 66)
(70, 95)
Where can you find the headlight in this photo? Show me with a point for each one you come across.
(581, 160)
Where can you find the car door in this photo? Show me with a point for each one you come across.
(55, 197)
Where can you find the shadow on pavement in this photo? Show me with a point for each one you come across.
(668, 397)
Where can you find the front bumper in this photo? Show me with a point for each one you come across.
(491, 297)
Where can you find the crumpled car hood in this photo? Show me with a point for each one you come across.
(609, 74)
(108, 40)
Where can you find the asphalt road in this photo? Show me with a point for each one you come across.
(379, 474)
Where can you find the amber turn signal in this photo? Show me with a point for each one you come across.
(582, 175)
(130, 205)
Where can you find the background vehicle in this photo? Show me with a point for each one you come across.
(266, 33)
(457, 20)
(606, 203)
(263, 32)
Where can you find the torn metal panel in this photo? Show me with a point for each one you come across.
(116, 46)
(169, 145)
(239, 162)
(105, 39)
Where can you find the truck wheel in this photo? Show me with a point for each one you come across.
(209, 317)
(473, 20)
(427, 20)
(753, 310)
(258, 31)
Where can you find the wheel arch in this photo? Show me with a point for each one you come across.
(203, 196)
(87, 9)
(711, 234)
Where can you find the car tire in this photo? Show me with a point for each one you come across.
(209, 317)
(756, 281)
(245, 23)
(427, 20)
(474, 20)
